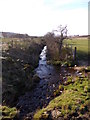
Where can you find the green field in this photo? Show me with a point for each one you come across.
(82, 47)
(81, 44)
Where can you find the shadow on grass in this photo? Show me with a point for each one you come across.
(82, 57)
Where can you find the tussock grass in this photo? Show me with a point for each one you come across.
(74, 100)
(18, 69)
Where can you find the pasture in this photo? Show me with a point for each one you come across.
(82, 47)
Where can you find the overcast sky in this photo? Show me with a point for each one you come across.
(37, 17)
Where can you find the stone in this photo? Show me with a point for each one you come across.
(55, 113)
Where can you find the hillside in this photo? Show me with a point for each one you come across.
(13, 35)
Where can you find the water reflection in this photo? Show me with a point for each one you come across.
(44, 69)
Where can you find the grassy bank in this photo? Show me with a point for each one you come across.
(73, 103)
(18, 64)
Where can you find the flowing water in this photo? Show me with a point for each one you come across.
(43, 93)
(44, 70)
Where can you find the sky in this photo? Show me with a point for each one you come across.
(37, 17)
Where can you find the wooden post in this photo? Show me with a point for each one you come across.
(75, 53)
(12, 43)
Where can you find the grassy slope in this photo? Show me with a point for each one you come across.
(74, 100)
(70, 91)
(18, 71)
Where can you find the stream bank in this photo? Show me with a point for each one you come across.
(39, 97)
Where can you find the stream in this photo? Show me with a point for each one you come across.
(43, 93)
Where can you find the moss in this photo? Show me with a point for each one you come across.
(69, 80)
(45, 115)
(86, 89)
(56, 63)
(9, 113)
(71, 102)
(61, 87)
(56, 93)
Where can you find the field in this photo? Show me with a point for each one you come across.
(80, 43)
(22, 43)
(20, 57)
(82, 47)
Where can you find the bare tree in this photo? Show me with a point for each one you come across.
(63, 34)
(55, 43)
(52, 46)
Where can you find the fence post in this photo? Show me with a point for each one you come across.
(75, 52)
(12, 43)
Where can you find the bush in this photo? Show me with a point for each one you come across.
(18, 70)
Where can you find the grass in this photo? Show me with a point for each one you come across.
(21, 57)
(81, 45)
(8, 113)
(22, 43)
(18, 69)
(74, 100)
(18, 75)
(66, 56)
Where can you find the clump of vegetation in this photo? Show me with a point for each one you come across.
(61, 87)
(59, 53)
(52, 47)
(18, 65)
(62, 49)
(8, 113)
(73, 103)
(70, 63)
(58, 91)
(68, 81)
(56, 63)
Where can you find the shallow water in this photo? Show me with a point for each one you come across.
(39, 97)
(44, 70)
